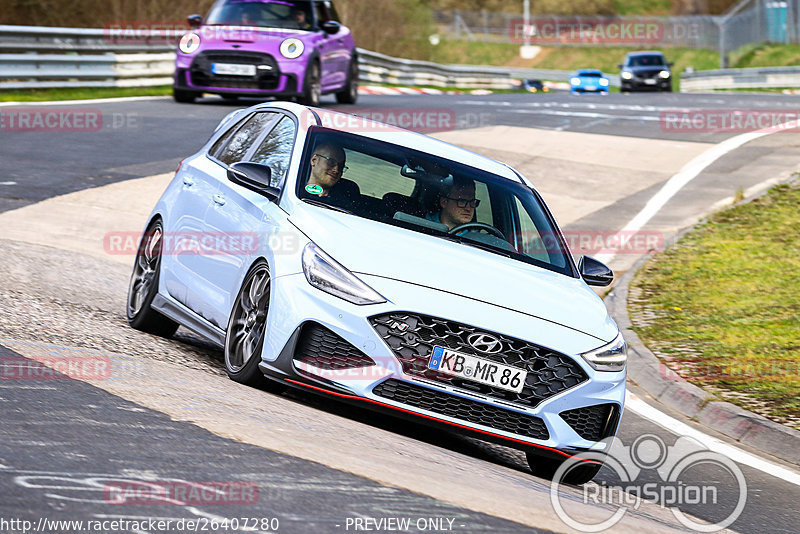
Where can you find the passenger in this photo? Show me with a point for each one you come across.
(300, 18)
(456, 205)
(327, 168)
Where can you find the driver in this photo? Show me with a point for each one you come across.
(457, 204)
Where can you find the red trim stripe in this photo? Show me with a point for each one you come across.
(353, 397)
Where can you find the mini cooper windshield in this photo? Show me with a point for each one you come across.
(424, 193)
(294, 14)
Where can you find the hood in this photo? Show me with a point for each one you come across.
(368, 247)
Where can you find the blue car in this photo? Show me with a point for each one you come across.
(372, 265)
(588, 81)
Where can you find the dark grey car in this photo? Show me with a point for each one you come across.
(645, 71)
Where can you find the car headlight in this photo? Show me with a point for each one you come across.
(326, 274)
(626, 75)
(664, 74)
(611, 357)
(189, 43)
(292, 48)
(604, 82)
(575, 81)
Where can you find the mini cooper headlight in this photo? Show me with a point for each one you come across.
(575, 81)
(626, 75)
(326, 274)
(189, 43)
(603, 82)
(664, 74)
(292, 48)
(611, 357)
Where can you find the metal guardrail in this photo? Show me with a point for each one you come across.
(40, 57)
(756, 78)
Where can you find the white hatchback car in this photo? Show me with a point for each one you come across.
(389, 269)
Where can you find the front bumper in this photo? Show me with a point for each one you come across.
(659, 84)
(274, 77)
(319, 343)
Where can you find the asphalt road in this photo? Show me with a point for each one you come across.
(69, 431)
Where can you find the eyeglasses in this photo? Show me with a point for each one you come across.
(464, 202)
(334, 163)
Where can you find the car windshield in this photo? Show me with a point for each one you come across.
(589, 74)
(650, 60)
(424, 193)
(288, 14)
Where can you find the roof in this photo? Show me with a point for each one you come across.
(392, 134)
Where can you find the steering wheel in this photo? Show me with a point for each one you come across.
(477, 226)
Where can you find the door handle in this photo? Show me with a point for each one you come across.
(188, 182)
(219, 200)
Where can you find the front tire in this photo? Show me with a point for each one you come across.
(183, 97)
(143, 286)
(547, 467)
(244, 339)
(350, 93)
(312, 86)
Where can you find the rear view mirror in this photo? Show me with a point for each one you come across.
(255, 177)
(331, 27)
(595, 273)
(195, 21)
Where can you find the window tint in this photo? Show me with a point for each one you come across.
(276, 150)
(399, 186)
(237, 145)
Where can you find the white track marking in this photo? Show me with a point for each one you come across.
(92, 101)
(8, 183)
(637, 405)
(689, 172)
(589, 115)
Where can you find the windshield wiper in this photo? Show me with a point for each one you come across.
(478, 244)
(326, 205)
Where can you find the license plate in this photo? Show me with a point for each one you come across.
(232, 69)
(650, 82)
(487, 372)
(590, 88)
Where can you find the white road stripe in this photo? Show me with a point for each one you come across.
(689, 172)
(8, 183)
(589, 115)
(637, 405)
(91, 101)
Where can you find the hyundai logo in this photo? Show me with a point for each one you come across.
(485, 343)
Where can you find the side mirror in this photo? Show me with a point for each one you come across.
(195, 21)
(331, 26)
(595, 273)
(255, 177)
(670, 63)
(619, 65)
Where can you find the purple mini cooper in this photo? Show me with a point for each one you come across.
(268, 48)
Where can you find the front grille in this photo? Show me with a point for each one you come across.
(463, 409)
(266, 79)
(644, 74)
(412, 338)
(592, 422)
(322, 348)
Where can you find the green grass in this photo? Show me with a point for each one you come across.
(722, 308)
(643, 7)
(766, 55)
(39, 95)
